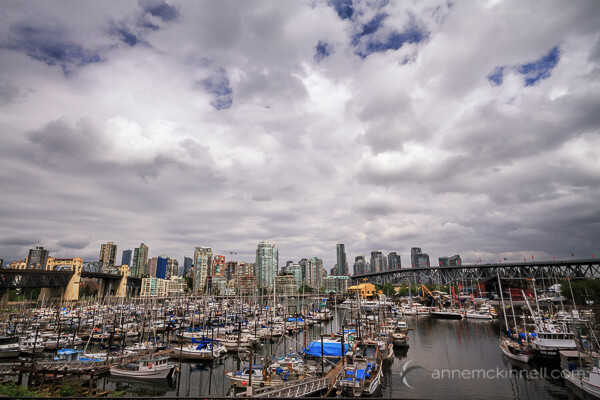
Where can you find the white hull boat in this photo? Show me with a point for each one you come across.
(159, 368)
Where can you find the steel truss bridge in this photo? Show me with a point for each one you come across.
(37, 278)
(32, 278)
(539, 270)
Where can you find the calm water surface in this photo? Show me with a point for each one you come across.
(438, 350)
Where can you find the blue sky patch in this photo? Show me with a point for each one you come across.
(373, 25)
(394, 40)
(48, 47)
(539, 69)
(533, 71)
(322, 50)
(220, 87)
(497, 76)
(125, 35)
(160, 9)
(343, 8)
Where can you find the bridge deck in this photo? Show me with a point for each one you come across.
(571, 269)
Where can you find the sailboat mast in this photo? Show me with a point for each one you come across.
(502, 299)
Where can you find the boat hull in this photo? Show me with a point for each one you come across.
(583, 384)
(10, 353)
(141, 374)
(524, 358)
(445, 315)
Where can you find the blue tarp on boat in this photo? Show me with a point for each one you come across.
(290, 319)
(329, 349)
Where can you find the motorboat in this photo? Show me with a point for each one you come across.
(148, 368)
(546, 343)
(447, 314)
(204, 350)
(248, 376)
(55, 342)
(472, 313)
(257, 376)
(9, 347)
(581, 371)
(235, 342)
(361, 374)
(30, 345)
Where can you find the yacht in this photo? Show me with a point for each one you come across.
(205, 350)
(546, 344)
(361, 375)
(447, 314)
(581, 371)
(29, 345)
(149, 368)
(472, 313)
(9, 347)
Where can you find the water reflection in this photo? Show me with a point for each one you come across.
(149, 387)
(435, 345)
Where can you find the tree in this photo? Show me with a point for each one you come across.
(388, 289)
(583, 290)
(305, 289)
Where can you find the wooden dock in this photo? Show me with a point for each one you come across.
(302, 387)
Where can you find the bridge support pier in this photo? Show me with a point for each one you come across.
(47, 293)
(121, 289)
(4, 301)
(101, 289)
(71, 292)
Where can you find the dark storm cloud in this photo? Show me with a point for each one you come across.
(9, 93)
(76, 243)
(262, 197)
(59, 138)
(19, 240)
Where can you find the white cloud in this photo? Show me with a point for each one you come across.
(401, 148)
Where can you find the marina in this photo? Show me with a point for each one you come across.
(308, 346)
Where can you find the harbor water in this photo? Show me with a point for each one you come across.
(446, 359)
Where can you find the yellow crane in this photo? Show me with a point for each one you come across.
(424, 289)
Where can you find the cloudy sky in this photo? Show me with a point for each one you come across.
(468, 127)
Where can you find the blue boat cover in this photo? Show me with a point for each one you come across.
(290, 319)
(329, 349)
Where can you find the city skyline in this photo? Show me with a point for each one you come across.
(385, 265)
(459, 128)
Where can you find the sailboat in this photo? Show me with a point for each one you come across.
(549, 338)
(512, 345)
